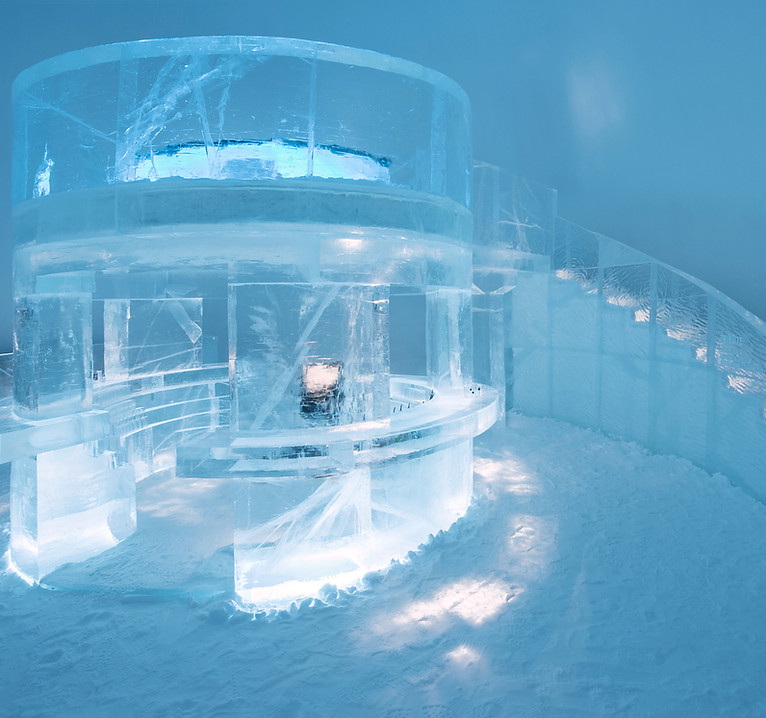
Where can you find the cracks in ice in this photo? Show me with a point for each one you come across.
(163, 106)
(42, 105)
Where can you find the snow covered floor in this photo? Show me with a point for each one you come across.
(588, 579)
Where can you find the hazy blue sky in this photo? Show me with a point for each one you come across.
(649, 117)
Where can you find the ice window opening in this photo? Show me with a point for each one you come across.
(322, 390)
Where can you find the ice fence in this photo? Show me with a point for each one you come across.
(598, 334)
(243, 339)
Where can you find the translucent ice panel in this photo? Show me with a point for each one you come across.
(149, 336)
(449, 346)
(626, 311)
(53, 354)
(307, 530)
(422, 495)
(528, 380)
(574, 316)
(512, 212)
(407, 331)
(122, 112)
(682, 318)
(682, 395)
(308, 354)
(489, 339)
(740, 350)
(575, 253)
(738, 437)
(68, 505)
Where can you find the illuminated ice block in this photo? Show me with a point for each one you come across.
(308, 354)
(68, 505)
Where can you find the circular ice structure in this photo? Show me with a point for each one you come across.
(242, 274)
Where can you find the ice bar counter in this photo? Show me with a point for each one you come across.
(242, 347)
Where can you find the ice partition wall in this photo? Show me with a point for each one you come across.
(587, 330)
(242, 274)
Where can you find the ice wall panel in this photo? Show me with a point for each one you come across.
(530, 311)
(575, 252)
(53, 354)
(682, 409)
(151, 336)
(575, 386)
(489, 339)
(682, 316)
(574, 316)
(530, 380)
(625, 409)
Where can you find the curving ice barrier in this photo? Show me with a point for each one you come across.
(601, 335)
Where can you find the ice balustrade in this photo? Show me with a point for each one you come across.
(243, 316)
(601, 335)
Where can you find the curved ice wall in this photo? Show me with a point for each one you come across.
(590, 331)
(242, 278)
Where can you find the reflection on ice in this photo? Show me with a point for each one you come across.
(508, 475)
(472, 600)
(463, 655)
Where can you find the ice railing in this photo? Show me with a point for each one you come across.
(587, 330)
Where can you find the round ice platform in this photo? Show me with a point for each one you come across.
(243, 345)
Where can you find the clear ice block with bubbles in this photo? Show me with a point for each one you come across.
(242, 269)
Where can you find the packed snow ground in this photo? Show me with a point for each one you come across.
(589, 578)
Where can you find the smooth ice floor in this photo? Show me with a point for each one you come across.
(588, 579)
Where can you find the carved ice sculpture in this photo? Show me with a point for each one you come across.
(242, 274)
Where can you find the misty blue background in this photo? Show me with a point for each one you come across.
(649, 117)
